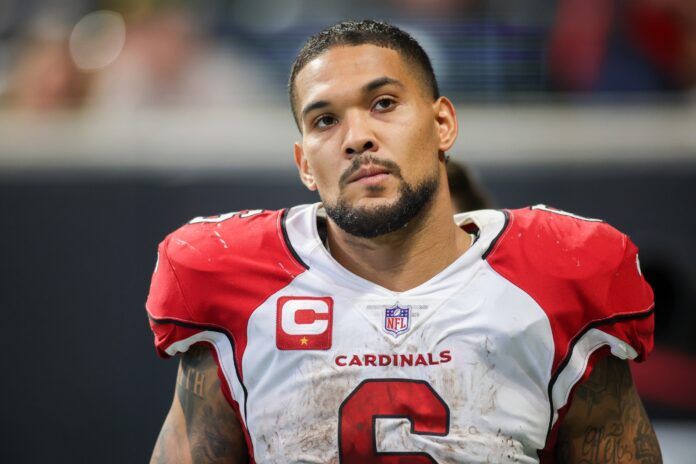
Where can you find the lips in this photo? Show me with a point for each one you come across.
(366, 172)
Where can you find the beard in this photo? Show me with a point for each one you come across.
(380, 220)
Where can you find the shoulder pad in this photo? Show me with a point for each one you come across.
(215, 271)
(560, 244)
(582, 272)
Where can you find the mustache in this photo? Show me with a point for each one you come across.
(362, 160)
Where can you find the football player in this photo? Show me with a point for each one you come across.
(373, 327)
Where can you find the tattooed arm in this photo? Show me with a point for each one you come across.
(201, 426)
(607, 422)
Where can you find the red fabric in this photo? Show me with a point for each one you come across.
(584, 274)
(217, 273)
(306, 340)
(167, 302)
(410, 399)
(213, 275)
(580, 272)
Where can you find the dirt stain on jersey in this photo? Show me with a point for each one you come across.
(315, 441)
(469, 386)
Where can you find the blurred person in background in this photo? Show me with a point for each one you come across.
(467, 192)
(45, 78)
(501, 336)
(624, 46)
(169, 61)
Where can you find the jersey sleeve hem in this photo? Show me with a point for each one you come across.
(167, 303)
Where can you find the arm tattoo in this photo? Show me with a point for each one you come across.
(607, 422)
(165, 452)
(211, 426)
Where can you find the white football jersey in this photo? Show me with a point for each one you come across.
(475, 365)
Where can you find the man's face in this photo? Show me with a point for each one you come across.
(371, 134)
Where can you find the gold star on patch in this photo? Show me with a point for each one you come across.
(303, 341)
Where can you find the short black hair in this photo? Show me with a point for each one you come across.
(367, 31)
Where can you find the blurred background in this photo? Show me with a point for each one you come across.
(121, 120)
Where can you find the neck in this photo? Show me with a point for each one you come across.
(406, 258)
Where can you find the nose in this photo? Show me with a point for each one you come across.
(356, 151)
(359, 137)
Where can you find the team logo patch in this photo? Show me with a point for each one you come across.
(304, 323)
(397, 320)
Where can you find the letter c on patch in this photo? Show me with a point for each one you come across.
(289, 319)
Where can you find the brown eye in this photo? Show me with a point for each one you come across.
(384, 104)
(323, 122)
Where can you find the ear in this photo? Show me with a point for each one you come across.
(446, 120)
(303, 168)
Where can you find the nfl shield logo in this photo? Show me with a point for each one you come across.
(397, 320)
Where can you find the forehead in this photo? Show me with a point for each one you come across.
(345, 68)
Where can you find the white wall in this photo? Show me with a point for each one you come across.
(263, 137)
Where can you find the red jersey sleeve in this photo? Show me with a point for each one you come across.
(585, 276)
(166, 304)
(212, 274)
(631, 299)
(583, 273)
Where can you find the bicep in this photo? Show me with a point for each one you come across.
(607, 421)
(201, 426)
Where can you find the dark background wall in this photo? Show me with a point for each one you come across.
(81, 381)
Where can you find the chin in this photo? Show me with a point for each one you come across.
(382, 212)
(374, 195)
(372, 202)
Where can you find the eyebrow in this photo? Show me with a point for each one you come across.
(314, 106)
(367, 88)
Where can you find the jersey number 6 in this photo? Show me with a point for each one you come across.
(374, 399)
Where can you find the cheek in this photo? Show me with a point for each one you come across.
(324, 168)
(415, 143)
(413, 129)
